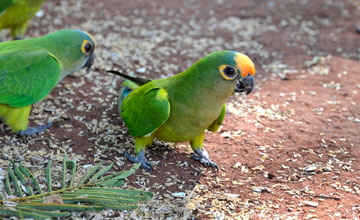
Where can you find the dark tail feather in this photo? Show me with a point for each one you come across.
(137, 80)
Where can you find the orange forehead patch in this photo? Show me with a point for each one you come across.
(244, 63)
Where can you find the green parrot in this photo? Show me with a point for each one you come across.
(31, 68)
(182, 107)
(15, 15)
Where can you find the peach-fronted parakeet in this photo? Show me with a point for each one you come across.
(31, 68)
(15, 15)
(182, 107)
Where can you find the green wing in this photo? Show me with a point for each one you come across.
(218, 122)
(27, 77)
(144, 110)
(4, 4)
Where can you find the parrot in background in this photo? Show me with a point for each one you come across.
(15, 15)
(31, 68)
(182, 107)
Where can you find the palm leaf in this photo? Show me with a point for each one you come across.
(27, 173)
(63, 184)
(96, 191)
(91, 172)
(100, 173)
(7, 184)
(55, 207)
(16, 183)
(72, 164)
(23, 179)
(48, 175)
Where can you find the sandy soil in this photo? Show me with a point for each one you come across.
(288, 151)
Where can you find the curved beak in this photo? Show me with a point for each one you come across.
(89, 62)
(245, 84)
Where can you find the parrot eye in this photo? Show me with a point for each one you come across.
(228, 72)
(87, 47)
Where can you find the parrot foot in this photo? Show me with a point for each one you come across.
(140, 158)
(35, 130)
(203, 157)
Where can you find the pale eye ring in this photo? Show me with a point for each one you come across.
(228, 72)
(87, 47)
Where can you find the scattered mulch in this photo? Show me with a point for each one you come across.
(289, 150)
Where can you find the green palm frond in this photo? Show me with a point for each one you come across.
(96, 191)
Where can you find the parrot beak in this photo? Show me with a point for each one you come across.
(89, 62)
(246, 83)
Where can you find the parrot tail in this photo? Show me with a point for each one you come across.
(139, 81)
(130, 83)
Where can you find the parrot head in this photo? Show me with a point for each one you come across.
(227, 72)
(247, 71)
(74, 49)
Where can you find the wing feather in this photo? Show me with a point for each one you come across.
(145, 109)
(27, 77)
(5, 4)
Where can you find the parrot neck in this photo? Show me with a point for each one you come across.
(53, 43)
(204, 87)
(205, 92)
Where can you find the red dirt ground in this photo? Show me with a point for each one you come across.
(293, 140)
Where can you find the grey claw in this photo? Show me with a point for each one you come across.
(35, 130)
(140, 158)
(203, 157)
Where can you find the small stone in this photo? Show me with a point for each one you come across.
(39, 14)
(258, 189)
(53, 198)
(178, 194)
(231, 195)
(312, 62)
(141, 70)
(310, 203)
(294, 177)
(310, 168)
(327, 169)
(237, 165)
(219, 215)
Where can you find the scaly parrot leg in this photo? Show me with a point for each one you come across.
(201, 155)
(35, 130)
(140, 146)
(140, 158)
